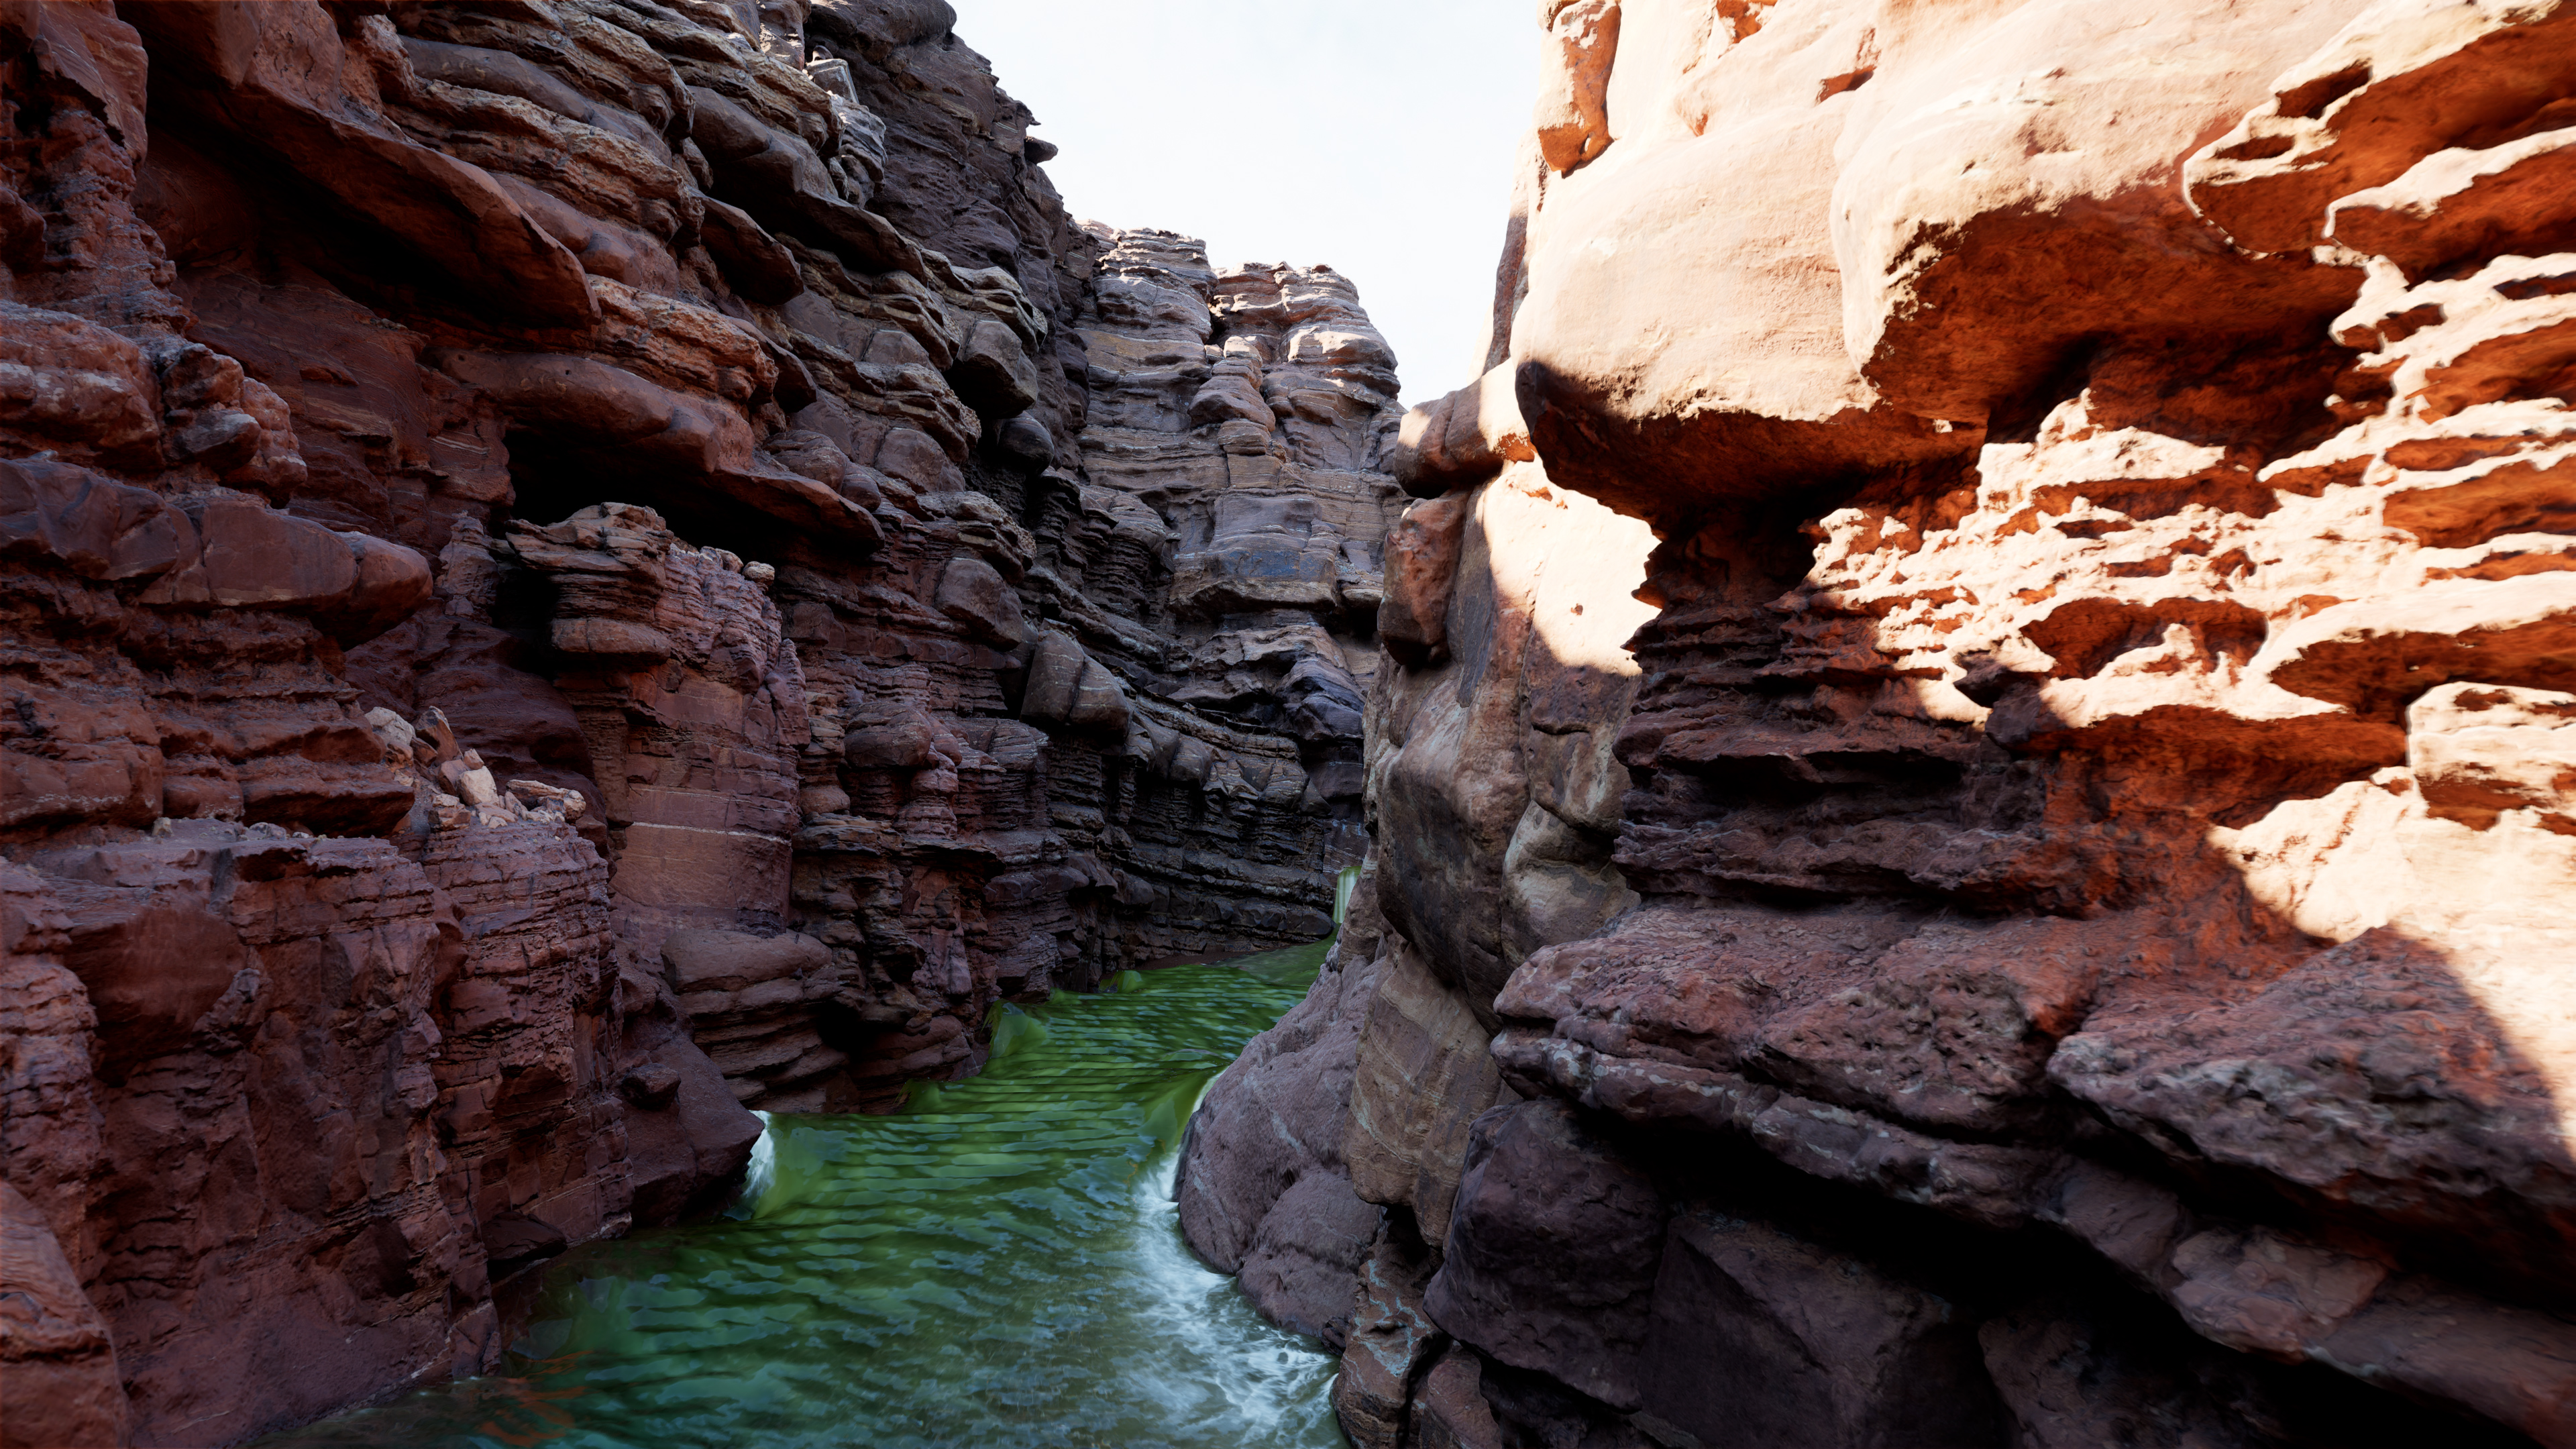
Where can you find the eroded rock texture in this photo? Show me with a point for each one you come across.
(572, 569)
(2057, 927)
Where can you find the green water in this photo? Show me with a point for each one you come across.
(996, 1265)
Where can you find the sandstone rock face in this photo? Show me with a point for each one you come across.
(1294, 1237)
(572, 569)
(63, 1383)
(2061, 895)
(1265, 1186)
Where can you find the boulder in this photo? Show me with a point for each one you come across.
(972, 592)
(1070, 688)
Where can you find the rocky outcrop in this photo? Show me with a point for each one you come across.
(2052, 920)
(573, 568)
(1265, 1190)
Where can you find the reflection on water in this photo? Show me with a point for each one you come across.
(997, 1265)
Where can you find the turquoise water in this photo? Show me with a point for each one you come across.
(996, 1265)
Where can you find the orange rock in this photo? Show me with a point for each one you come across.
(2091, 769)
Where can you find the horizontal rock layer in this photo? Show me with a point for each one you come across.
(573, 568)
(2052, 922)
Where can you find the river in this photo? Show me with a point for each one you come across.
(996, 1265)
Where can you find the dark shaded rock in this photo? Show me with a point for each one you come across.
(1534, 1408)
(516, 1240)
(649, 1085)
(1552, 1254)
(1761, 1338)
(759, 268)
(1263, 1189)
(1026, 440)
(2070, 1374)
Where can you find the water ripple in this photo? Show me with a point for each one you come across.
(998, 1265)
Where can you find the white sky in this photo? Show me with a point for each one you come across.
(1375, 136)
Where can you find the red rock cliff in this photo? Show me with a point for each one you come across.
(572, 567)
(2056, 928)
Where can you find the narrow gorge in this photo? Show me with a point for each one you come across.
(1958, 751)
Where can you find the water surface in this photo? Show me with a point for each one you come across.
(997, 1265)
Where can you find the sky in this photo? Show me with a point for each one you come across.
(1375, 136)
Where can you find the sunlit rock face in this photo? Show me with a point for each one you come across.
(2053, 921)
(572, 570)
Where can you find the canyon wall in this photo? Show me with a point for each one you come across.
(572, 569)
(1974, 838)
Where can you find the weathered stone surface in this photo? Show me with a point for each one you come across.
(1497, 792)
(359, 983)
(63, 1385)
(2097, 701)
(1550, 1259)
(1449, 1409)
(1421, 572)
(1463, 437)
(693, 707)
(2478, 752)
(491, 498)
(1760, 1338)
(972, 593)
(242, 72)
(751, 1002)
(1392, 1344)
(505, 511)
(1264, 1189)
(1573, 122)
(2400, 82)
(2071, 1376)
(2283, 1082)
(1422, 1075)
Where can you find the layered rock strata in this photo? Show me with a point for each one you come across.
(571, 569)
(2055, 928)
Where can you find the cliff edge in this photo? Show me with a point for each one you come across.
(1971, 804)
